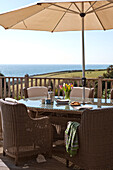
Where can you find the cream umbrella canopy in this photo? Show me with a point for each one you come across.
(62, 15)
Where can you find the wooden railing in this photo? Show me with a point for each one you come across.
(13, 86)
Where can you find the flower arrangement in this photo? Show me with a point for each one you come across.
(67, 89)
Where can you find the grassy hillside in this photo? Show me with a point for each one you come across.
(69, 74)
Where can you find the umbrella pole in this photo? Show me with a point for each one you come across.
(83, 55)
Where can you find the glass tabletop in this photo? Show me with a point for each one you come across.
(38, 102)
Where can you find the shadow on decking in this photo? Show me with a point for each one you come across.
(55, 163)
(30, 163)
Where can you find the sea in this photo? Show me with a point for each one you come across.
(20, 70)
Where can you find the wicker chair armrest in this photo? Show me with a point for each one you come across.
(42, 125)
(41, 121)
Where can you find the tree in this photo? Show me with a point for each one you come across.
(109, 73)
(1, 75)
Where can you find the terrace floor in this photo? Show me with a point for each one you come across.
(55, 163)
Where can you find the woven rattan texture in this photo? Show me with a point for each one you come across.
(22, 135)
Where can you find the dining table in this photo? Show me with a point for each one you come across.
(57, 111)
(60, 113)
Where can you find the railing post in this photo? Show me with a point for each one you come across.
(99, 86)
(1, 88)
(26, 81)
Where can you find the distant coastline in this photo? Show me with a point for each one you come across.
(20, 70)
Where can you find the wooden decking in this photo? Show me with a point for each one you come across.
(55, 163)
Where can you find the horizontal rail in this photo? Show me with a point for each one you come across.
(13, 86)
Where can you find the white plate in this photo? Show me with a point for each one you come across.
(62, 101)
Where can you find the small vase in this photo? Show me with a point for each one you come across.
(67, 95)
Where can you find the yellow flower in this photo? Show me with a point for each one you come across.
(69, 88)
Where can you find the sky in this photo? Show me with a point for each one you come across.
(39, 47)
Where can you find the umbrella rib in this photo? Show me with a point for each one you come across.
(61, 18)
(24, 24)
(104, 8)
(77, 7)
(65, 8)
(26, 18)
(90, 7)
(98, 18)
(60, 10)
(100, 7)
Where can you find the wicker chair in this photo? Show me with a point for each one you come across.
(95, 141)
(23, 136)
(77, 92)
(35, 91)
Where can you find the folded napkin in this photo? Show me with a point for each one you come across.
(83, 107)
